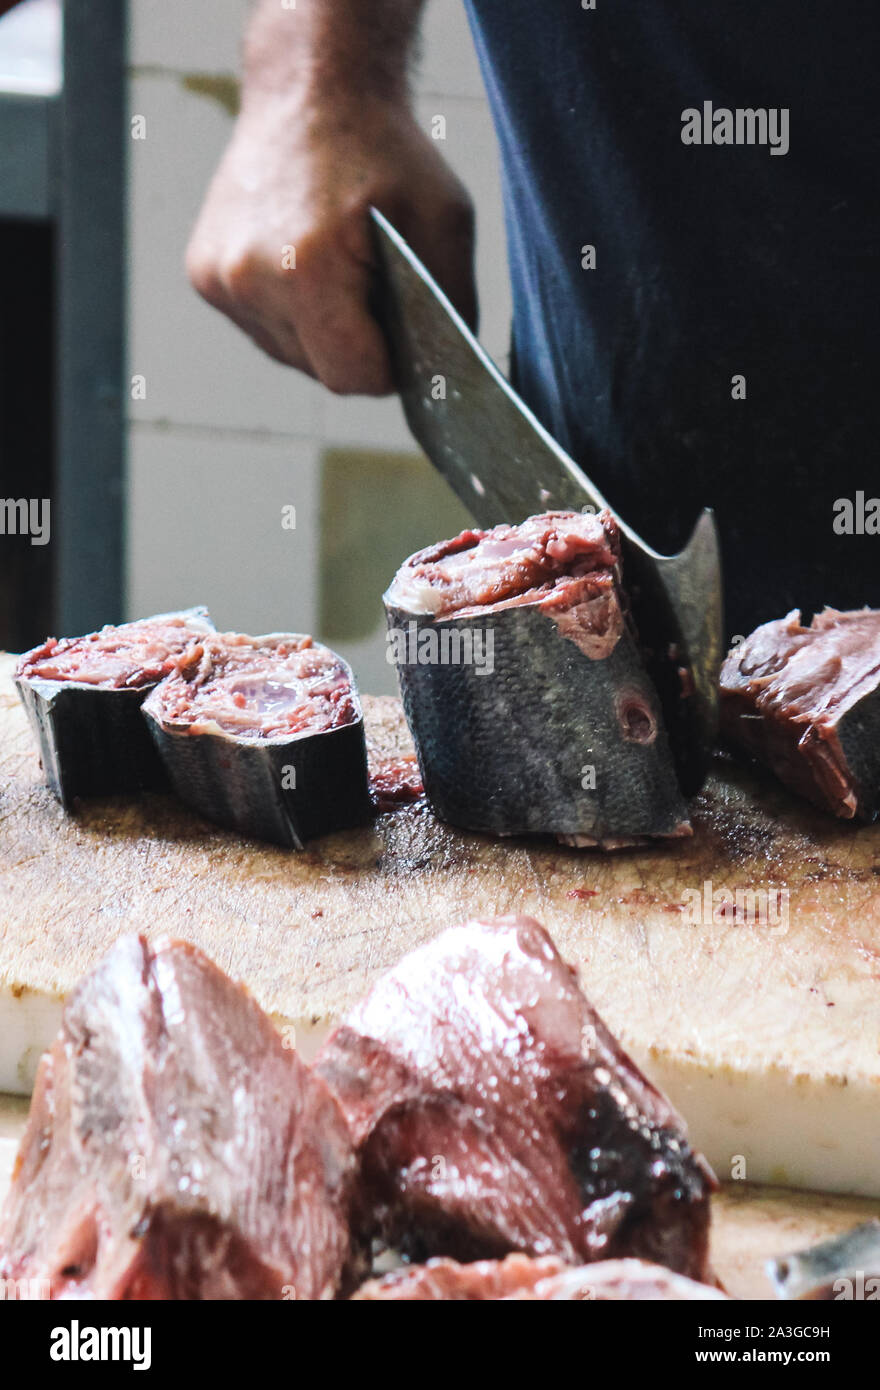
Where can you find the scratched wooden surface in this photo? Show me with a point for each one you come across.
(771, 1031)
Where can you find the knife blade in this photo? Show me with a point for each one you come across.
(504, 466)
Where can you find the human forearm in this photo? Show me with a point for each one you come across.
(324, 48)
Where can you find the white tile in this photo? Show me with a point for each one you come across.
(367, 660)
(199, 369)
(449, 61)
(30, 48)
(204, 526)
(365, 421)
(187, 35)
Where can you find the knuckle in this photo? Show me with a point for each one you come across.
(339, 380)
(240, 273)
(202, 275)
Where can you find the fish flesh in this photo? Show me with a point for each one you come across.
(520, 1278)
(83, 697)
(396, 782)
(265, 736)
(805, 701)
(524, 687)
(443, 1279)
(847, 1267)
(494, 1113)
(176, 1148)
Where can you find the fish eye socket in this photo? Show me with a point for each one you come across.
(637, 722)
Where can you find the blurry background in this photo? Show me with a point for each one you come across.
(216, 438)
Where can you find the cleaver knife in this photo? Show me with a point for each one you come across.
(504, 466)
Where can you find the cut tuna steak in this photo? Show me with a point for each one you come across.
(524, 688)
(83, 697)
(806, 702)
(175, 1148)
(519, 1278)
(493, 1112)
(264, 735)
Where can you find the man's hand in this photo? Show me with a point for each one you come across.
(283, 243)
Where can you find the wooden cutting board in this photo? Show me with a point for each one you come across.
(767, 1038)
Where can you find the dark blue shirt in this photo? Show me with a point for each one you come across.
(712, 262)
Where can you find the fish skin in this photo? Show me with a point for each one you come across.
(493, 1112)
(93, 741)
(508, 752)
(522, 1279)
(176, 1149)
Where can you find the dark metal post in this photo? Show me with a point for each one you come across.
(92, 142)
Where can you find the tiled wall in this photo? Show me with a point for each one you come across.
(225, 437)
